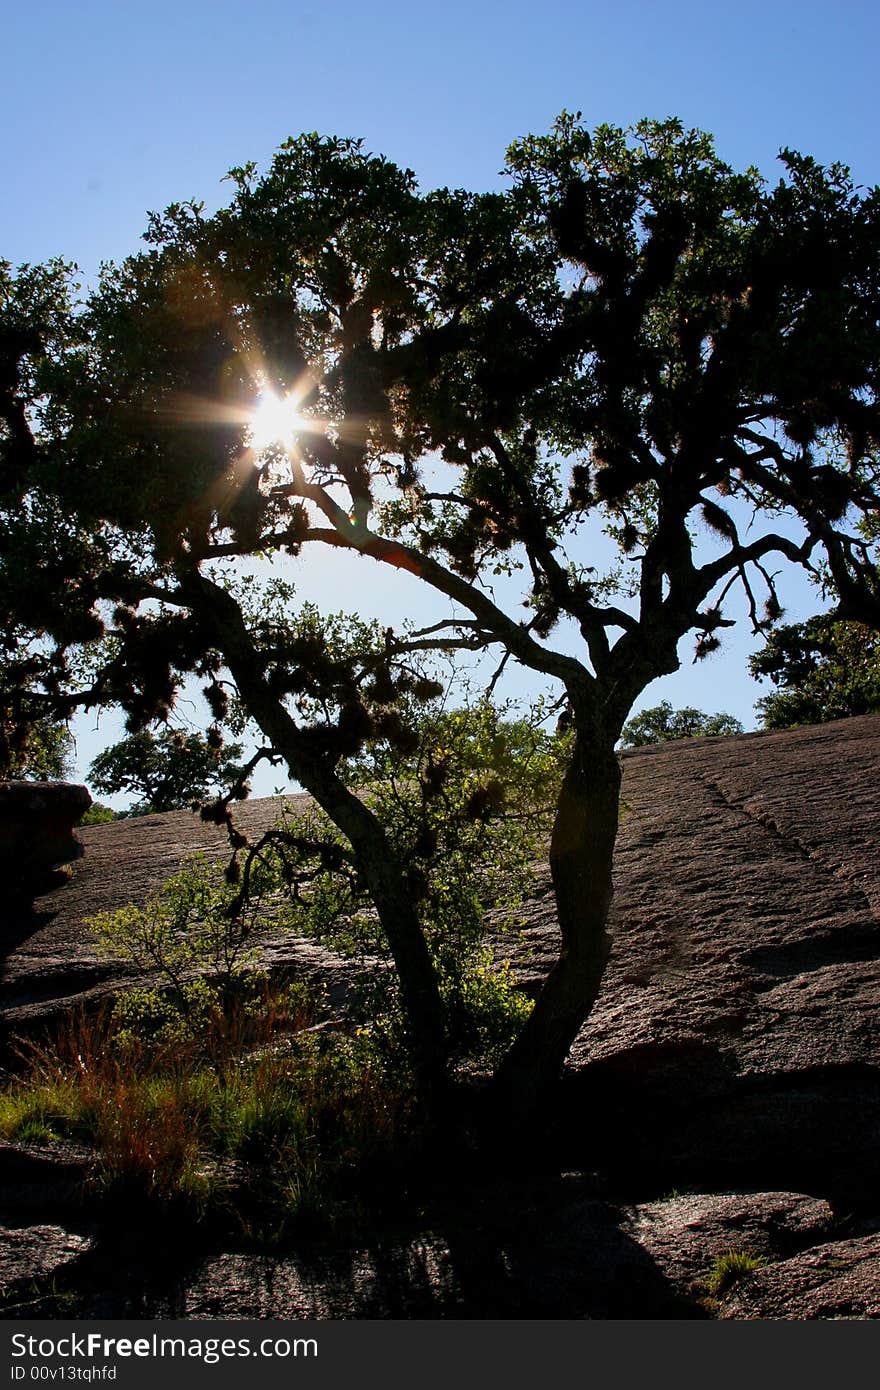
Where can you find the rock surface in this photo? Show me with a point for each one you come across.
(685, 1235)
(30, 1257)
(840, 1279)
(566, 1256)
(545, 1248)
(733, 1056)
(738, 1031)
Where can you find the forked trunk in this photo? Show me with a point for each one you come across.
(581, 854)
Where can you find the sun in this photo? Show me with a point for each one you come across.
(275, 421)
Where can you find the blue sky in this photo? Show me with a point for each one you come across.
(112, 109)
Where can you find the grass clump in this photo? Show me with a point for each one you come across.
(731, 1266)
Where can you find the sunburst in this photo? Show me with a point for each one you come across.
(275, 421)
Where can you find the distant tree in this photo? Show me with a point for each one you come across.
(99, 814)
(823, 669)
(662, 724)
(167, 772)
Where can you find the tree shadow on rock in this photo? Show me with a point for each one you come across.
(511, 1249)
(679, 1115)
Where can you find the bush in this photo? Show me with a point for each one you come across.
(98, 814)
(197, 938)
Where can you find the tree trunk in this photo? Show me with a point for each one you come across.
(382, 872)
(581, 854)
(384, 877)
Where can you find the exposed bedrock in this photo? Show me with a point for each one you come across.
(733, 1056)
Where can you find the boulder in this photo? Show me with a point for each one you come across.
(840, 1279)
(686, 1234)
(37, 821)
(31, 1257)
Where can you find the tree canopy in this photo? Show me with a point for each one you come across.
(36, 751)
(823, 669)
(631, 343)
(662, 724)
(168, 771)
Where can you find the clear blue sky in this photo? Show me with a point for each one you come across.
(111, 109)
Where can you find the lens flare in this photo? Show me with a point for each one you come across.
(275, 422)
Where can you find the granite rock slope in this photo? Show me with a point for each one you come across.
(51, 961)
(733, 1061)
(738, 1031)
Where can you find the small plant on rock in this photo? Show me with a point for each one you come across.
(731, 1266)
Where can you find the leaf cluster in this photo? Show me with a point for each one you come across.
(823, 669)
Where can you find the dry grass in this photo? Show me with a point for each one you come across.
(258, 1115)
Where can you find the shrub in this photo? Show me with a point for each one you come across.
(98, 814)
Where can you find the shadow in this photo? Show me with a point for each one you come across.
(38, 999)
(540, 1247)
(690, 1120)
(547, 1248)
(844, 946)
(19, 921)
(467, 1236)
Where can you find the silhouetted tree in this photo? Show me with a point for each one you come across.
(632, 337)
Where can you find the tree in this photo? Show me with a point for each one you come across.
(34, 319)
(824, 669)
(168, 772)
(37, 751)
(662, 723)
(468, 387)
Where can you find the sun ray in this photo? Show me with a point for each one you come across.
(275, 421)
(271, 421)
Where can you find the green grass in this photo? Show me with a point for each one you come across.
(731, 1266)
(278, 1126)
